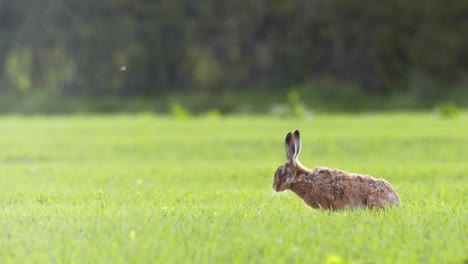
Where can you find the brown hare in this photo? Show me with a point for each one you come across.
(329, 188)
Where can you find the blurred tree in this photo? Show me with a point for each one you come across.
(141, 47)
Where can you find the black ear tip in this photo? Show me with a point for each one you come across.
(296, 133)
(288, 137)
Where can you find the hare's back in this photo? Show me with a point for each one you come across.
(355, 189)
(346, 178)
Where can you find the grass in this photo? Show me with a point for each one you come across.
(150, 189)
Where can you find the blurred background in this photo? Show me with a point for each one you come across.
(59, 56)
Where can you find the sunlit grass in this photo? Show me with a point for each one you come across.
(147, 189)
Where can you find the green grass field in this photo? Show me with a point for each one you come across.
(149, 189)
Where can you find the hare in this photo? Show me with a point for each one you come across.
(330, 188)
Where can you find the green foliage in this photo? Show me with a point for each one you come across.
(151, 189)
(232, 102)
(18, 69)
(448, 110)
(179, 112)
(214, 114)
(294, 108)
(207, 70)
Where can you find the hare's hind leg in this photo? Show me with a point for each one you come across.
(374, 201)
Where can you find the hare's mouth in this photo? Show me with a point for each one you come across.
(277, 188)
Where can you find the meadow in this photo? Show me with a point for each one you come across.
(144, 188)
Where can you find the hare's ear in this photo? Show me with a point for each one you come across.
(297, 143)
(290, 147)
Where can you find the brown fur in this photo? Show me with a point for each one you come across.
(330, 188)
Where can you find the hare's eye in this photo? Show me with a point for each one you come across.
(280, 171)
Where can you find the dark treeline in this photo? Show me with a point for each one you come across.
(141, 47)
